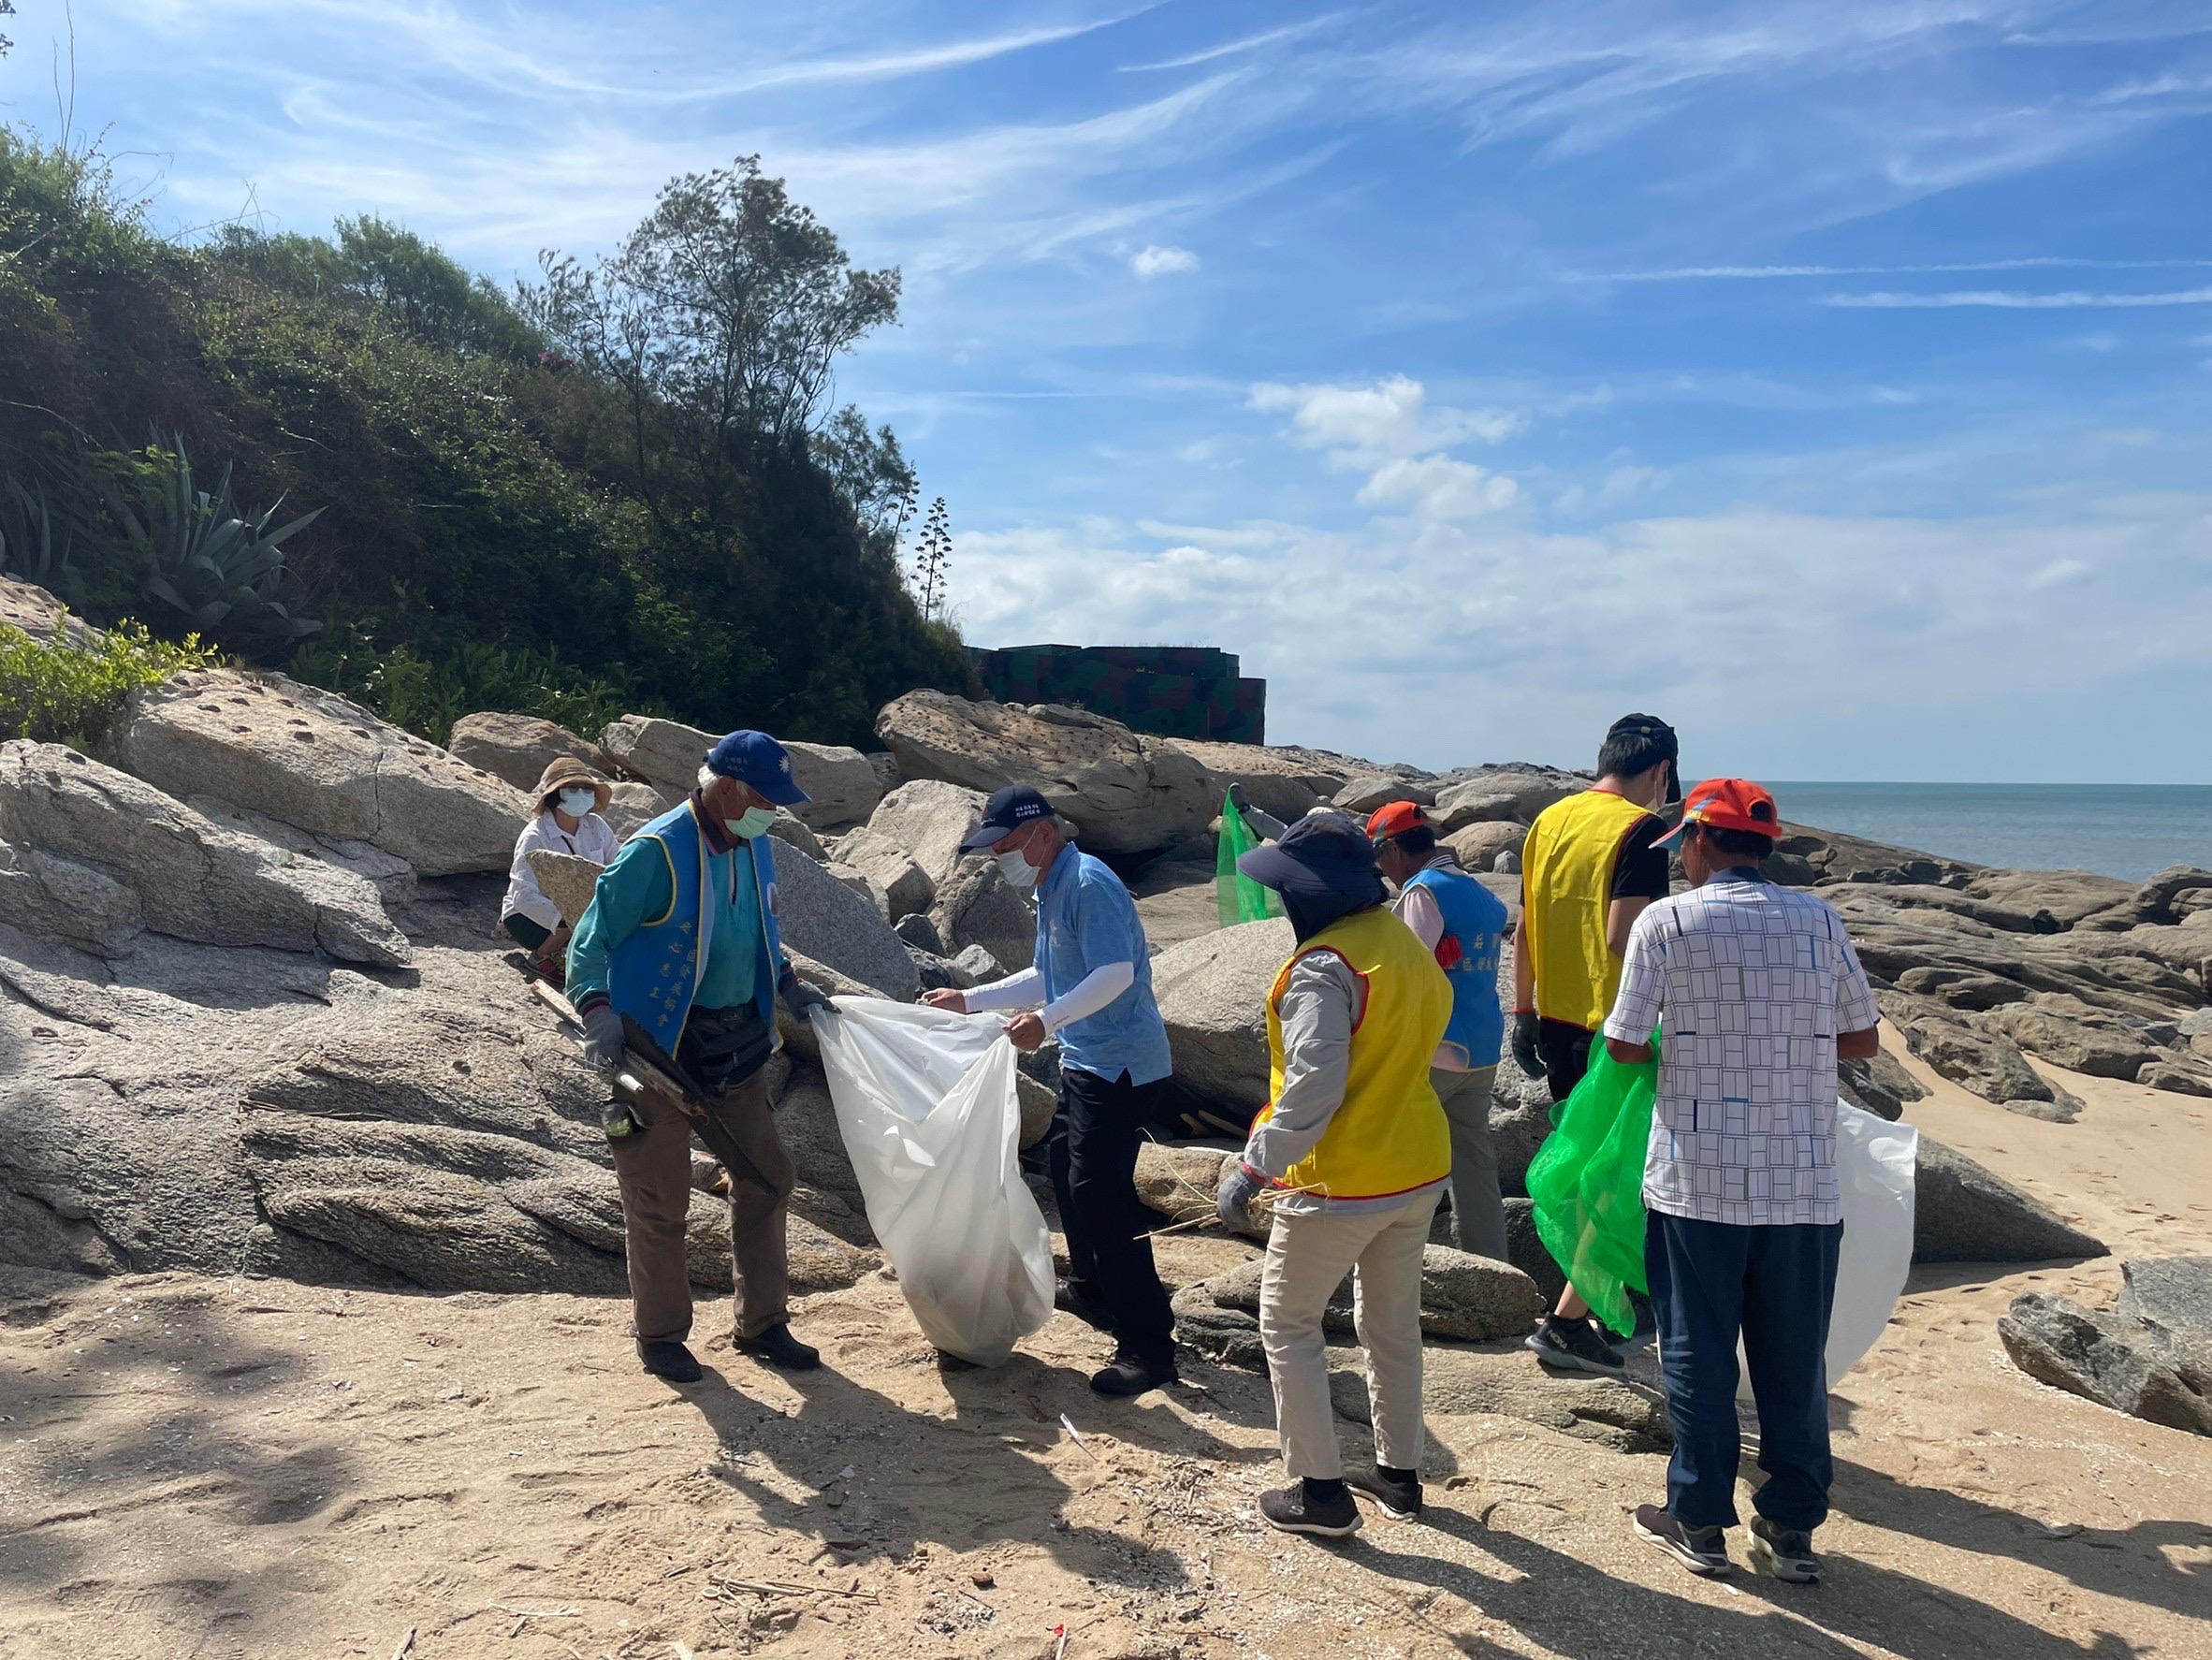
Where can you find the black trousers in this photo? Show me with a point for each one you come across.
(1093, 1153)
(1566, 1049)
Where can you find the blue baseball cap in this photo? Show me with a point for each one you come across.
(758, 761)
(1007, 812)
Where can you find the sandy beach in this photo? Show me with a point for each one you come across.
(231, 1467)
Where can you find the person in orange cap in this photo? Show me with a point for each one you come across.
(1757, 993)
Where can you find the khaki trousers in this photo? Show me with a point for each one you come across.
(654, 1171)
(1307, 1258)
(1477, 1206)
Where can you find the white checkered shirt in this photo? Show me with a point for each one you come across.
(1753, 982)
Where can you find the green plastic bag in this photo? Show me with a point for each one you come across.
(1587, 1181)
(1241, 900)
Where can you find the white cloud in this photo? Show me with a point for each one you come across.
(2058, 571)
(1438, 488)
(1383, 420)
(2008, 300)
(1156, 261)
(1620, 483)
(1745, 272)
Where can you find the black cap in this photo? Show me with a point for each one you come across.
(1007, 812)
(1655, 734)
(1323, 854)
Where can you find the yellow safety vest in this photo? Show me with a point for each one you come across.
(1390, 1136)
(1566, 885)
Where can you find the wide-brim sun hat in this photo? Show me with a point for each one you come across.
(565, 770)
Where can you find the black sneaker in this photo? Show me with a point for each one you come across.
(1070, 1298)
(1783, 1552)
(1647, 1328)
(777, 1348)
(1704, 1551)
(1574, 1345)
(1132, 1374)
(1298, 1508)
(1398, 1492)
(671, 1360)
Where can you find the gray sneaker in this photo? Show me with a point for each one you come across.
(1783, 1552)
(1704, 1551)
(1574, 1345)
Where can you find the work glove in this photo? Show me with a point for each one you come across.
(1232, 1200)
(602, 1038)
(801, 1001)
(1528, 1050)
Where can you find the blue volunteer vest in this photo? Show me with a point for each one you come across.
(1475, 918)
(653, 975)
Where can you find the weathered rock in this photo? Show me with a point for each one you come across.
(1281, 780)
(1479, 844)
(1514, 790)
(568, 879)
(1370, 791)
(976, 967)
(1507, 862)
(2173, 896)
(518, 748)
(1469, 1298)
(1964, 1212)
(666, 754)
(1622, 1415)
(191, 877)
(1130, 793)
(2177, 1077)
(1178, 1183)
(2100, 1048)
(860, 882)
(1980, 1060)
(1524, 1249)
(820, 917)
(38, 613)
(976, 904)
(1471, 805)
(1963, 988)
(841, 782)
(885, 766)
(391, 876)
(1881, 1085)
(929, 819)
(906, 887)
(630, 807)
(2129, 1365)
(1803, 856)
(315, 761)
(797, 833)
(1037, 1103)
(51, 895)
(920, 933)
(2174, 1292)
(2066, 896)
(1212, 994)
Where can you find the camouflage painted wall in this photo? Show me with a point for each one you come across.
(1172, 690)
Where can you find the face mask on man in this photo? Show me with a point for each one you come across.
(577, 803)
(1017, 869)
(752, 822)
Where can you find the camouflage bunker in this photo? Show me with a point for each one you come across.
(1170, 691)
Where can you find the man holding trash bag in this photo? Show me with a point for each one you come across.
(1093, 978)
(681, 936)
(1354, 1148)
(1588, 869)
(1463, 925)
(1757, 993)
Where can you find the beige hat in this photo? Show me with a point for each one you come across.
(564, 770)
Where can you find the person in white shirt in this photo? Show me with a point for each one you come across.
(1757, 993)
(570, 799)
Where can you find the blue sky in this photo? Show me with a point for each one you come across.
(1830, 379)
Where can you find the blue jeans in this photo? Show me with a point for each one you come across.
(1713, 1282)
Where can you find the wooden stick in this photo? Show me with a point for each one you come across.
(555, 1001)
(406, 1645)
(772, 1588)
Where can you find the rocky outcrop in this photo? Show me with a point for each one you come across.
(907, 889)
(928, 818)
(518, 748)
(1281, 779)
(1985, 1061)
(1622, 1416)
(820, 916)
(1212, 993)
(1966, 1212)
(1479, 844)
(1806, 856)
(976, 906)
(1126, 792)
(1514, 792)
(315, 761)
(1463, 1297)
(666, 754)
(98, 856)
(2120, 1359)
(841, 784)
(630, 807)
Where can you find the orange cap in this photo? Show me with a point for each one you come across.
(1394, 818)
(1727, 803)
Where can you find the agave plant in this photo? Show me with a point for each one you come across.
(36, 538)
(204, 559)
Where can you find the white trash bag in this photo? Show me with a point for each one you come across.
(925, 1102)
(1875, 1160)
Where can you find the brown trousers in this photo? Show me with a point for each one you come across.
(654, 1171)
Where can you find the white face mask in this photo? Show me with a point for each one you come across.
(1017, 869)
(577, 803)
(753, 822)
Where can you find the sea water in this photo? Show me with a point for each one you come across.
(2124, 830)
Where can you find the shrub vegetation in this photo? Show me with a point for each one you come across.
(569, 502)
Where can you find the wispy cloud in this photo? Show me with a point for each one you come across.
(2005, 299)
(1156, 261)
(1230, 48)
(1751, 272)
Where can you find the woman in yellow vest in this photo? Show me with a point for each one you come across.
(1356, 1150)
